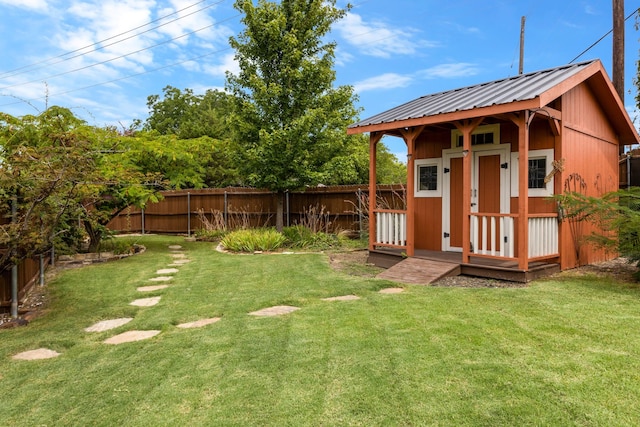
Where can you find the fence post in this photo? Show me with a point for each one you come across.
(53, 256)
(14, 267)
(360, 211)
(225, 210)
(188, 214)
(288, 209)
(142, 222)
(41, 269)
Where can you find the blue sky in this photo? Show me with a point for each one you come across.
(102, 58)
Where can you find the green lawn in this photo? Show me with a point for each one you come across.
(559, 352)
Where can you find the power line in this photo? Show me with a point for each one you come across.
(118, 57)
(118, 79)
(602, 38)
(61, 57)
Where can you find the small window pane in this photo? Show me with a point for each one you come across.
(428, 178)
(537, 172)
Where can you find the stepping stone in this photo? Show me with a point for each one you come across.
(179, 255)
(175, 247)
(391, 290)
(167, 271)
(181, 261)
(161, 279)
(151, 288)
(199, 323)
(39, 354)
(275, 310)
(146, 302)
(342, 298)
(131, 336)
(106, 325)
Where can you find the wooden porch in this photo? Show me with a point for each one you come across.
(477, 266)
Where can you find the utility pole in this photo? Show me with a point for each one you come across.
(618, 47)
(618, 52)
(521, 67)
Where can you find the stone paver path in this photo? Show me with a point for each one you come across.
(106, 325)
(179, 259)
(161, 279)
(131, 336)
(342, 298)
(41, 353)
(151, 288)
(391, 290)
(146, 302)
(275, 310)
(199, 323)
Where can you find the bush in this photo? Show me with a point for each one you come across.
(299, 236)
(208, 235)
(260, 239)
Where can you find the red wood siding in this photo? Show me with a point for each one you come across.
(590, 150)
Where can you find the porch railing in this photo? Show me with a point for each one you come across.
(391, 228)
(493, 234)
(543, 235)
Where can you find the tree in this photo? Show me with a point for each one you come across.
(187, 116)
(43, 160)
(289, 121)
(182, 163)
(58, 171)
(616, 215)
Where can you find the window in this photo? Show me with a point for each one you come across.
(428, 178)
(537, 172)
(483, 135)
(540, 165)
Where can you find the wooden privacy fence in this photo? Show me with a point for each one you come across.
(345, 207)
(30, 272)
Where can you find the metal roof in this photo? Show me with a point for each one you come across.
(518, 88)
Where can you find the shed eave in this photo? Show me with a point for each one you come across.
(492, 110)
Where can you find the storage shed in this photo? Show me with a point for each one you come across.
(482, 163)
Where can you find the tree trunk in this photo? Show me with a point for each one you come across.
(280, 211)
(95, 236)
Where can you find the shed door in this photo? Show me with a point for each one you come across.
(485, 195)
(489, 194)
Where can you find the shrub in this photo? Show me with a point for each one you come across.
(259, 239)
(299, 236)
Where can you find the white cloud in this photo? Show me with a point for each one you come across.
(394, 80)
(228, 64)
(383, 82)
(37, 5)
(378, 39)
(454, 70)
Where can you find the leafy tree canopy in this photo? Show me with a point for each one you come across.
(289, 119)
(186, 115)
(57, 170)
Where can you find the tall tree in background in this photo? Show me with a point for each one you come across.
(289, 120)
(186, 115)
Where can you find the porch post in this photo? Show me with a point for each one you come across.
(466, 194)
(467, 157)
(523, 190)
(410, 136)
(374, 138)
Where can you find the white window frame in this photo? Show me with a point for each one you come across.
(427, 162)
(547, 154)
(495, 129)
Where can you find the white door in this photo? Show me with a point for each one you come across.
(490, 190)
